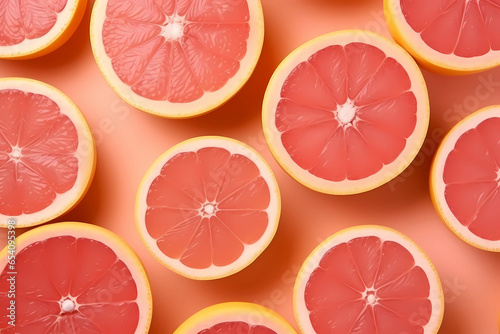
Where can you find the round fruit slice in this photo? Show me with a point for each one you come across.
(33, 28)
(208, 207)
(448, 36)
(346, 112)
(235, 317)
(465, 179)
(47, 154)
(74, 278)
(176, 58)
(368, 280)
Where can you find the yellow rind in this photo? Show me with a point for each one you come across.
(241, 309)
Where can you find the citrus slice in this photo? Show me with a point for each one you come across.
(465, 179)
(74, 278)
(208, 207)
(235, 318)
(47, 155)
(368, 280)
(346, 112)
(176, 58)
(447, 36)
(33, 28)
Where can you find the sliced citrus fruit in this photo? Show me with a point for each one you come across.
(235, 318)
(447, 36)
(33, 28)
(465, 179)
(176, 58)
(208, 207)
(368, 280)
(47, 154)
(346, 112)
(75, 278)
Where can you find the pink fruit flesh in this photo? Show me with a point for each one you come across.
(37, 152)
(472, 178)
(176, 50)
(237, 327)
(60, 268)
(346, 112)
(205, 206)
(368, 286)
(27, 19)
(461, 27)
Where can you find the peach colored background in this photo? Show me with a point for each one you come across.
(128, 141)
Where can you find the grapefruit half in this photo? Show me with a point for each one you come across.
(236, 317)
(33, 28)
(75, 278)
(176, 58)
(447, 36)
(346, 112)
(368, 280)
(47, 154)
(208, 207)
(465, 179)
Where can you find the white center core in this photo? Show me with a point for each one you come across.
(68, 306)
(174, 28)
(370, 299)
(173, 31)
(16, 153)
(346, 112)
(209, 209)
